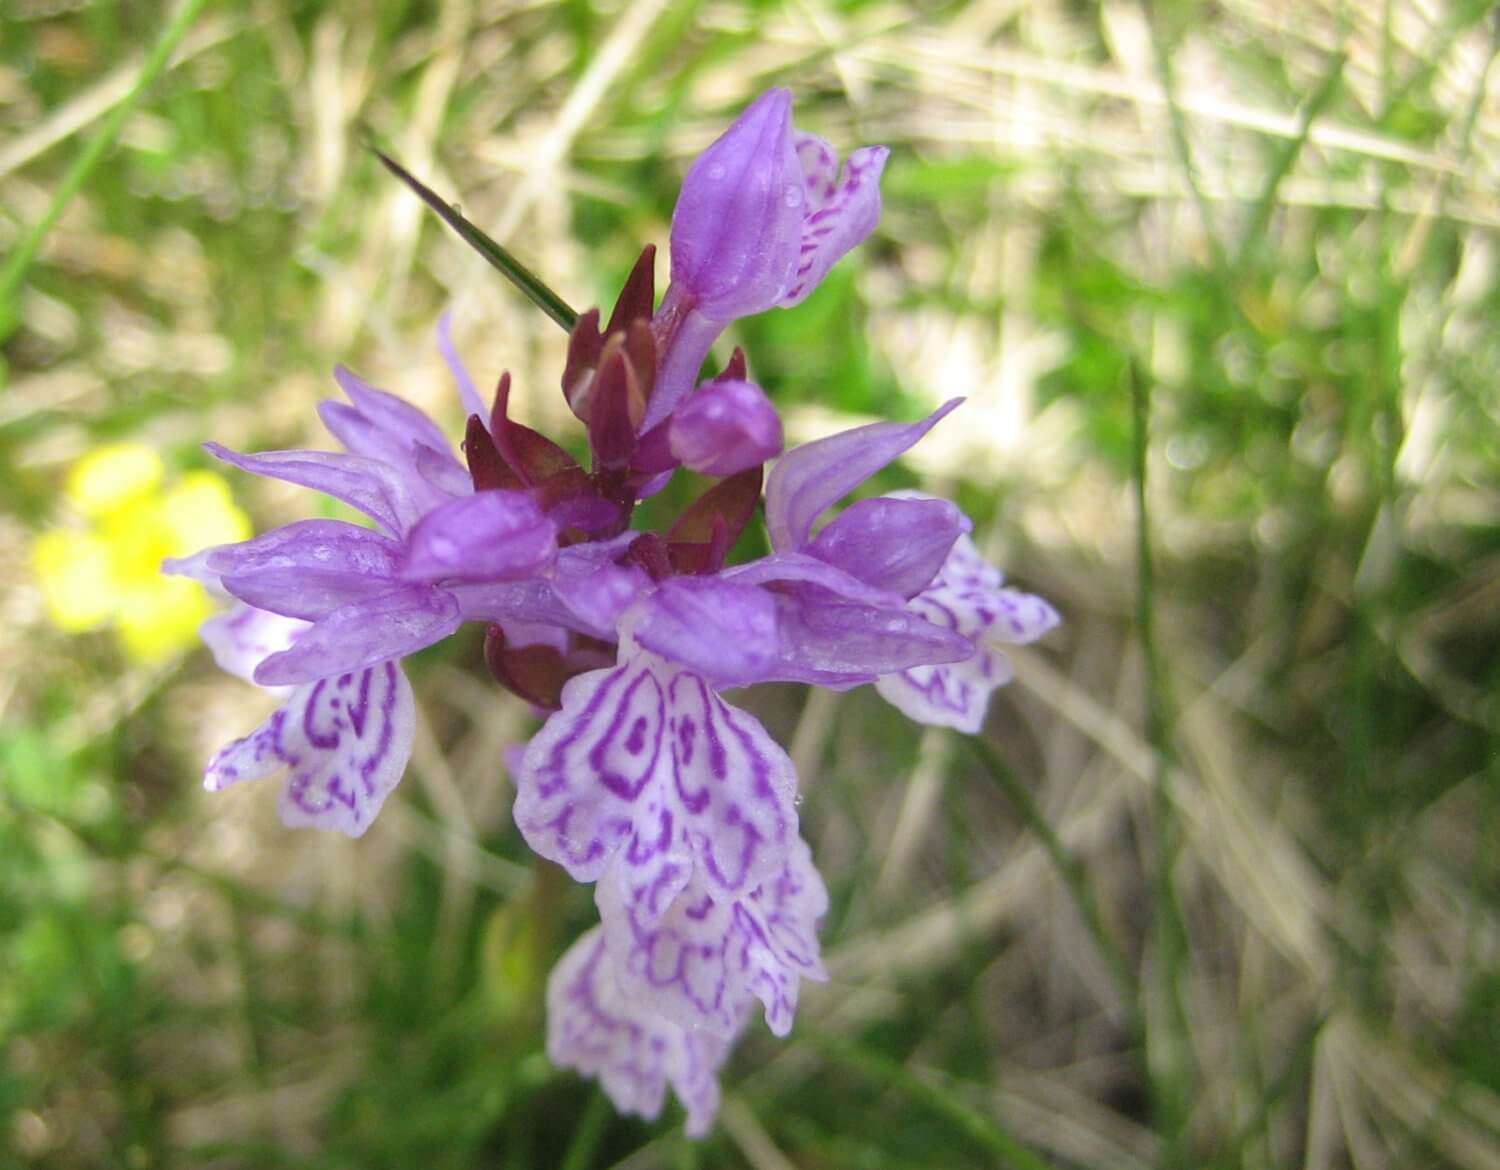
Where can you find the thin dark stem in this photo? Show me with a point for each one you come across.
(534, 288)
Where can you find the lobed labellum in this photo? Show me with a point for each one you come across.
(633, 1052)
(345, 742)
(645, 762)
(701, 961)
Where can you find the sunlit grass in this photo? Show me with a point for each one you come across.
(1221, 887)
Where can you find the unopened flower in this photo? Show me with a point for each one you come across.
(764, 213)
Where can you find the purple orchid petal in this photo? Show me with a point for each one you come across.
(242, 637)
(840, 213)
(307, 569)
(635, 1054)
(796, 568)
(643, 759)
(488, 536)
(725, 427)
(345, 740)
(441, 471)
(954, 694)
(374, 488)
(359, 635)
(467, 391)
(720, 630)
(808, 479)
(401, 423)
(967, 598)
(699, 962)
(195, 567)
(596, 595)
(738, 221)
(827, 641)
(895, 544)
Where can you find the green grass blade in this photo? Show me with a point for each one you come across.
(20, 260)
(1286, 158)
(534, 288)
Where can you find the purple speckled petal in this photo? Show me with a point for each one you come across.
(309, 568)
(376, 489)
(967, 598)
(488, 536)
(643, 759)
(700, 961)
(634, 1053)
(355, 636)
(953, 694)
(721, 630)
(806, 480)
(243, 637)
(839, 214)
(725, 427)
(345, 741)
(895, 544)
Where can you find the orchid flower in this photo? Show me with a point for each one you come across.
(677, 805)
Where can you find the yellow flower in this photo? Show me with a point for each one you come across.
(110, 571)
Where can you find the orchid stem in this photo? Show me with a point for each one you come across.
(513, 270)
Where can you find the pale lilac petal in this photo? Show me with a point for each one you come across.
(701, 962)
(826, 641)
(725, 427)
(374, 488)
(954, 694)
(820, 167)
(634, 1054)
(967, 597)
(737, 226)
(596, 593)
(645, 757)
(359, 635)
(467, 391)
(795, 568)
(307, 569)
(488, 536)
(810, 478)
(441, 471)
(402, 423)
(837, 219)
(195, 567)
(895, 544)
(721, 630)
(345, 740)
(242, 637)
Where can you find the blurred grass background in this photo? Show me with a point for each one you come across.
(1221, 885)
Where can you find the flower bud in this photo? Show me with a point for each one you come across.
(725, 427)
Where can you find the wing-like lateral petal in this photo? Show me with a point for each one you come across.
(307, 569)
(645, 757)
(374, 488)
(467, 391)
(701, 962)
(361, 634)
(345, 742)
(635, 1054)
(810, 478)
(488, 536)
(895, 544)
